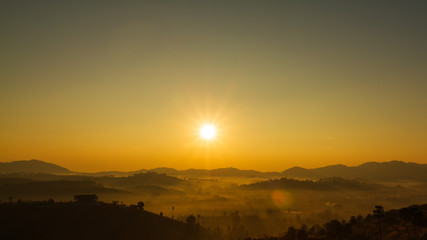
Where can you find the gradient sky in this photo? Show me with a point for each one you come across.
(124, 85)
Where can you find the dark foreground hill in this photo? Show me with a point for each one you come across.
(408, 223)
(72, 221)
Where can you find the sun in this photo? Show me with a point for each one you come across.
(208, 132)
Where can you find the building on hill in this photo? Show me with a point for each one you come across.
(86, 198)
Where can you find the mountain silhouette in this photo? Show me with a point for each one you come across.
(299, 172)
(219, 172)
(31, 166)
(370, 170)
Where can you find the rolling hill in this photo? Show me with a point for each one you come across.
(327, 184)
(31, 166)
(70, 221)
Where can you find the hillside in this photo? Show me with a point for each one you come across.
(20, 188)
(43, 185)
(397, 224)
(328, 184)
(71, 221)
(32, 166)
(148, 178)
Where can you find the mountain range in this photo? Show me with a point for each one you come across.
(369, 170)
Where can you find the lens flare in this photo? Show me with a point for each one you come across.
(281, 199)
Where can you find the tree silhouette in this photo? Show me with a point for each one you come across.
(140, 206)
(302, 233)
(379, 211)
(191, 219)
(333, 229)
(291, 234)
(379, 214)
(173, 208)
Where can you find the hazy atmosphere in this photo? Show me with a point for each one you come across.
(126, 85)
(213, 120)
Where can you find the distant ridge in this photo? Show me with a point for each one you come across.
(219, 172)
(369, 170)
(31, 166)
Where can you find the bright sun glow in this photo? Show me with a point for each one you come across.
(208, 132)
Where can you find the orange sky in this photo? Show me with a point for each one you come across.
(127, 85)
